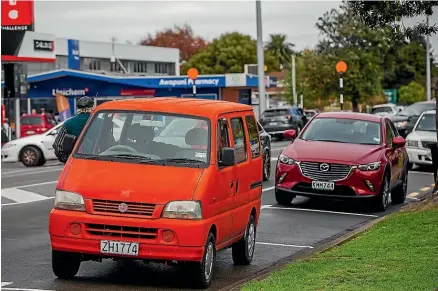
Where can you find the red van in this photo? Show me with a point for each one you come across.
(36, 123)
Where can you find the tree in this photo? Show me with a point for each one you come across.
(228, 54)
(180, 37)
(280, 49)
(411, 93)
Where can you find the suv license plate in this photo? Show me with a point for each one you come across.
(30, 132)
(119, 248)
(322, 185)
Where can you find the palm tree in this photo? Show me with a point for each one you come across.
(280, 49)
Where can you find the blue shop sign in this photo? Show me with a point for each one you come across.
(186, 82)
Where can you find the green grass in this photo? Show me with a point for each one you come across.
(399, 253)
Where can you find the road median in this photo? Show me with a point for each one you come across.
(398, 252)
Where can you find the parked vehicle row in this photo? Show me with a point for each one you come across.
(277, 120)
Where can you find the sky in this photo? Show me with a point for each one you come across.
(133, 20)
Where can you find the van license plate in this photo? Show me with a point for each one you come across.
(119, 248)
(322, 185)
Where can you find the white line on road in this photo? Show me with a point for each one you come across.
(33, 172)
(24, 289)
(21, 196)
(321, 211)
(274, 159)
(6, 283)
(284, 245)
(265, 206)
(268, 189)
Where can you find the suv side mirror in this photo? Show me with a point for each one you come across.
(290, 134)
(398, 142)
(228, 157)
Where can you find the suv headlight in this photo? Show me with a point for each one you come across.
(183, 210)
(69, 201)
(286, 160)
(369, 167)
(412, 143)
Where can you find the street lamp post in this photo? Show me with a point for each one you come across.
(428, 87)
(260, 59)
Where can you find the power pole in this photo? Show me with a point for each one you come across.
(260, 59)
(428, 85)
(294, 81)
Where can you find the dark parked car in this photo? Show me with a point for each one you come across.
(265, 140)
(405, 120)
(344, 155)
(277, 120)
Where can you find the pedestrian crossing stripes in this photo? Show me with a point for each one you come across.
(22, 195)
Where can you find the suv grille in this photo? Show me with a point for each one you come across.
(112, 207)
(121, 231)
(335, 172)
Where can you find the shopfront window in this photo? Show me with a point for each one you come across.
(41, 105)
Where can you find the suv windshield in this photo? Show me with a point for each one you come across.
(417, 109)
(344, 131)
(384, 109)
(427, 123)
(136, 137)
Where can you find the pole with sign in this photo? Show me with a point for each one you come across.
(193, 73)
(341, 68)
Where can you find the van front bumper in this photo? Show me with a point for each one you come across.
(187, 244)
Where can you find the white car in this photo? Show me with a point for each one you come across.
(385, 109)
(423, 133)
(32, 150)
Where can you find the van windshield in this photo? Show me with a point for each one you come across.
(145, 137)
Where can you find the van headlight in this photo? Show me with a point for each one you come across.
(183, 210)
(69, 201)
(369, 167)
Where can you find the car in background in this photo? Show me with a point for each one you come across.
(277, 120)
(344, 155)
(265, 140)
(389, 109)
(31, 124)
(418, 141)
(32, 150)
(310, 113)
(406, 119)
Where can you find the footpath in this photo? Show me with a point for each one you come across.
(398, 253)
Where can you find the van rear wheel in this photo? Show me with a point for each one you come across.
(243, 250)
(65, 265)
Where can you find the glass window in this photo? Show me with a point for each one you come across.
(427, 123)
(131, 137)
(239, 139)
(254, 139)
(31, 120)
(223, 139)
(417, 108)
(343, 130)
(50, 119)
(393, 128)
(389, 134)
(275, 112)
(385, 109)
(179, 126)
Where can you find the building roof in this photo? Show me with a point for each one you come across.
(351, 115)
(189, 106)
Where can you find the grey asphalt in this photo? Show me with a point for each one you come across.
(283, 231)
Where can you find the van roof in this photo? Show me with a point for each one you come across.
(190, 106)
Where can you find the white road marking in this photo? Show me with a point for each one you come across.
(425, 189)
(265, 206)
(268, 189)
(20, 196)
(284, 245)
(28, 173)
(24, 289)
(6, 283)
(37, 184)
(321, 211)
(421, 173)
(274, 159)
(413, 194)
(412, 198)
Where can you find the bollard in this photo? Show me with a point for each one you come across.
(434, 151)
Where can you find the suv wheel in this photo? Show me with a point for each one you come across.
(382, 200)
(398, 195)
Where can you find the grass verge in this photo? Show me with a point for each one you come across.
(399, 253)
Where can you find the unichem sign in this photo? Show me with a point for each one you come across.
(189, 82)
(69, 92)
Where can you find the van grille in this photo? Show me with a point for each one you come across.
(121, 231)
(336, 172)
(107, 207)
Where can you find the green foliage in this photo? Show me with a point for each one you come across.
(228, 54)
(280, 49)
(411, 93)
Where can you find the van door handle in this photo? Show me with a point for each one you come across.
(237, 185)
(232, 184)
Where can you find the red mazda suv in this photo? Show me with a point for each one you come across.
(344, 155)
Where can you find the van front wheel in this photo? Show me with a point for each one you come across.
(203, 272)
(65, 265)
(243, 250)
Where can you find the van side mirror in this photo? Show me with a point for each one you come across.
(228, 157)
(68, 143)
(290, 134)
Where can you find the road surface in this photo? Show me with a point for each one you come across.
(27, 197)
